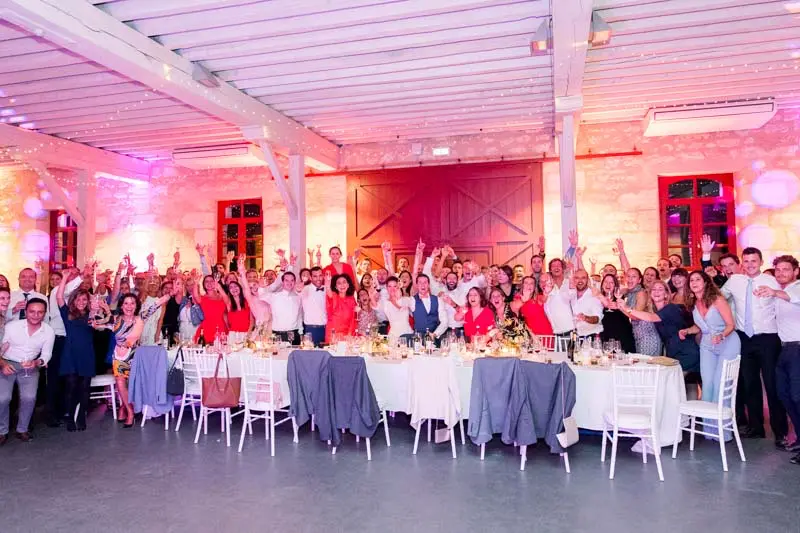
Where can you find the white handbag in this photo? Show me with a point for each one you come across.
(569, 436)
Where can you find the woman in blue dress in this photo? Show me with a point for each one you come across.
(77, 358)
(714, 319)
(669, 319)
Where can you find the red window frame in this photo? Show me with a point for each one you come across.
(63, 240)
(232, 231)
(683, 215)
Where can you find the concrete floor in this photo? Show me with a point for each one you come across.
(148, 480)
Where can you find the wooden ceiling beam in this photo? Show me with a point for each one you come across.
(28, 145)
(236, 46)
(97, 36)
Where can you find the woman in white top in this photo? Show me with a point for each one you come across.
(397, 309)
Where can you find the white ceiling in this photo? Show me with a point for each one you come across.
(356, 71)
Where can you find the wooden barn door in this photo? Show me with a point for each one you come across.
(488, 212)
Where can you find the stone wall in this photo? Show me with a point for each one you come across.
(618, 196)
(175, 211)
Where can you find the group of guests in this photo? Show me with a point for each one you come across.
(700, 318)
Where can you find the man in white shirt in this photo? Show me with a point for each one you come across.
(315, 315)
(450, 294)
(761, 346)
(54, 383)
(558, 305)
(27, 346)
(286, 307)
(787, 316)
(587, 310)
(27, 290)
(472, 277)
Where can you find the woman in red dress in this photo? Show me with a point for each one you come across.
(341, 306)
(478, 317)
(215, 304)
(337, 267)
(239, 316)
(530, 306)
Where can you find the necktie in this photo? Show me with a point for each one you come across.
(748, 309)
(22, 311)
(320, 289)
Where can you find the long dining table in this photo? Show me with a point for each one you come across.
(389, 378)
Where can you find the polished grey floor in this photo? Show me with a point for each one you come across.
(145, 479)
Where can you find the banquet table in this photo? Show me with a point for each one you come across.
(389, 378)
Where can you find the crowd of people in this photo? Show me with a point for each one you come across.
(92, 321)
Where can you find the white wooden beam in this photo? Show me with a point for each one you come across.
(510, 79)
(58, 193)
(469, 22)
(411, 65)
(280, 182)
(571, 24)
(399, 56)
(139, 9)
(290, 17)
(534, 67)
(297, 224)
(381, 48)
(27, 145)
(566, 171)
(92, 33)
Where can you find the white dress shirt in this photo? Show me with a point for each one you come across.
(19, 296)
(763, 309)
(558, 308)
(25, 347)
(313, 301)
(53, 313)
(398, 318)
(426, 302)
(589, 306)
(788, 314)
(286, 310)
(458, 295)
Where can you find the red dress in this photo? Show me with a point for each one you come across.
(481, 325)
(535, 318)
(346, 269)
(240, 320)
(213, 321)
(341, 316)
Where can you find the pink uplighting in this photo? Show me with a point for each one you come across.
(775, 189)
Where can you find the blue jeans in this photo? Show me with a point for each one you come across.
(317, 333)
(28, 386)
(711, 373)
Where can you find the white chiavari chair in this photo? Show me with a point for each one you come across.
(635, 390)
(720, 412)
(262, 397)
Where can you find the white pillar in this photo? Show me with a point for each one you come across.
(297, 220)
(566, 168)
(87, 205)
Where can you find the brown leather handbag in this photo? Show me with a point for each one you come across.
(221, 393)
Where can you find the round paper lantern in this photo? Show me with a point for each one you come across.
(775, 189)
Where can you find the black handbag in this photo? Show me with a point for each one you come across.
(175, 385)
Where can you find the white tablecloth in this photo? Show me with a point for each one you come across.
(593, 389)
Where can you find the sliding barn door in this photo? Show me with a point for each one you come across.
(488, 212)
